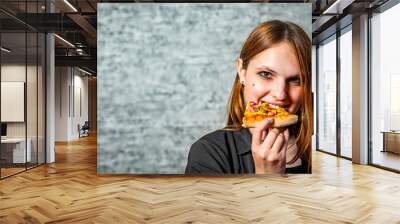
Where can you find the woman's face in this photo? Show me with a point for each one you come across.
(273, 76)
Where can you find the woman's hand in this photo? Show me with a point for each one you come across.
(269, 147)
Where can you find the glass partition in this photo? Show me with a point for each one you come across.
(385, 89)
(41, 85)
(22, 66)
(13, 109)
(326, 98)
(32, 95)
(346, 92)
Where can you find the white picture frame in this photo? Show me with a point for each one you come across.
(12, 101)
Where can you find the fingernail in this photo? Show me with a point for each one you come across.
(270, 119)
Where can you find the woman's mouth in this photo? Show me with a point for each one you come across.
(286, 107)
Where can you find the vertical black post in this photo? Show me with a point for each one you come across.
(338, 73)
(26, 86)
(37, 88)
(369, 97)
(69, 93)
(45, 90)
(1, 164)
(73, 91)
(316, 97)
(59, 82)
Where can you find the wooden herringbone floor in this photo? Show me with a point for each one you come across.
(69, 191)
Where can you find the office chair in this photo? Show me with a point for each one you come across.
(84, 130)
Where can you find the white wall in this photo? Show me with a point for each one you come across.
(61, 103)
(70, 83)
(33, 127)
(16, 72)
(13, 101)
(13, 72)
(10, 73)
(81, 84)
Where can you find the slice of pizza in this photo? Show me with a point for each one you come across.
(263, 110)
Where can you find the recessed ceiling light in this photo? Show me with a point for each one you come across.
(338, 6)
(64, 40)
(86, 72)
(71, 6)
(5, 49)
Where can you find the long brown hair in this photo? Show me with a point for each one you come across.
(261, 38)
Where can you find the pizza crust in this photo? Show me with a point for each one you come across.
(279, 121)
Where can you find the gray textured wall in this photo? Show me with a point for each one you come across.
(164, 77)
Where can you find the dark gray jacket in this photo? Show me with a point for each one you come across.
(226, 152)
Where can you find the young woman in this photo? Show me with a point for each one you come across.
(274, 66)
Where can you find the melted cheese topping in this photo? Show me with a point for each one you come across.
(258, 112)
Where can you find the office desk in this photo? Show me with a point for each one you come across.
(391, 141)
(16, 148)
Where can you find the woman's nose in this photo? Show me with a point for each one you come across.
(279, 91)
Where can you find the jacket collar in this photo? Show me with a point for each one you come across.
(243, 141)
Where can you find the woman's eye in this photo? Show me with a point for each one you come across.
(265, 75)
(295, 81)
